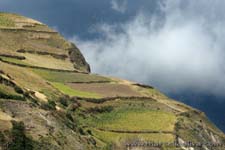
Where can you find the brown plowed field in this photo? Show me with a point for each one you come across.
(105, 89)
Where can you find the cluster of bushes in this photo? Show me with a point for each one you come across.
(101, 109)
(18, 90)
(144, 86)
(64, 100)
(14, 97)
(71, 103)
(96, 101)
(19, 139)
(2, 139)
(50, 105)
(6, 82)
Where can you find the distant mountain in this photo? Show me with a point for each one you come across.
(49, 100)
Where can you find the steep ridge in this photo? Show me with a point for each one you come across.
(50, 100)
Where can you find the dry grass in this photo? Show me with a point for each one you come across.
(6, 21)
(4, 116)
(33, 117)
(5, 125)
(9, 52)
(16, 21)
(27, 79)
(41, 46)
(5, 121)
(47, 62)
(7, 90)
(160, 97)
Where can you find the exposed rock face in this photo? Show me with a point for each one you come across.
(49, 100)
(78, 59)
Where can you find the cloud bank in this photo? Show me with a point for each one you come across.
(119, 5)
(181, 48)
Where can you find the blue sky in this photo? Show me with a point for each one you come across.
(174, 45)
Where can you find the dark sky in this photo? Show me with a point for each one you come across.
(79, 18)
(75, 17)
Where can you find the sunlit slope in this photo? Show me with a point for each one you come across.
(32, 43)
(49, 100)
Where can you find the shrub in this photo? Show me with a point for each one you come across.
(18, 90)
(186, 114)
(19, 139)
(69, 116)
(64, 101)
(101, 109)
(5, 21)
(14, 97)
(48, 106)
(89, 132)
(81, 131)
(92, 141)
(73, 107)
(51, 104)
(2, 138)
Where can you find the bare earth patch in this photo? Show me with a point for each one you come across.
(105, 89)
(41, 96)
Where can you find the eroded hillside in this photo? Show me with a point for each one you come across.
(49, 100)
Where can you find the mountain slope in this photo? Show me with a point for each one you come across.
(49, 100)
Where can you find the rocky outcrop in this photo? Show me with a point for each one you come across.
(78, 59)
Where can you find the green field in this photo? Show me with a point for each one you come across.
(65, 77)
(72, 92)
(133, 119)
(13, 60)
(126, 124)
(118, 138)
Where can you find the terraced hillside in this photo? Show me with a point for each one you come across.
(50, 100)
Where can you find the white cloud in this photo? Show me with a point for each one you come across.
(119, 5)
(181, 51)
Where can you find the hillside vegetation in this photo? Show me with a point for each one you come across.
(50, 100)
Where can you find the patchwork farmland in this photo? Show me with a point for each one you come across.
(50, 100)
